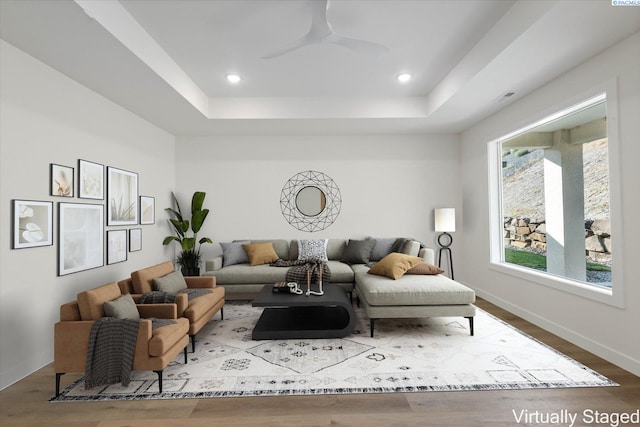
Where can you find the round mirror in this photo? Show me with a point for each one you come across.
(311, 201)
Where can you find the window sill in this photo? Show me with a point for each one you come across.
(596, 293)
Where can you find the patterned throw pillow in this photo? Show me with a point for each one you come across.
(313, 249)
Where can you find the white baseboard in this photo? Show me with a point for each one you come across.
(625, 362)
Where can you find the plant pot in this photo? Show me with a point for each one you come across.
(190, 271)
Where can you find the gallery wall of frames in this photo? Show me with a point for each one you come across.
(99, 211)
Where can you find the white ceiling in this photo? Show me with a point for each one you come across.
(166, 60)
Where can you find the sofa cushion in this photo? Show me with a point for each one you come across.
(122, 308)
(406, 246)
(173, 282)
(143, 279)
(234, 253)
(425, 268)
(382, 248)
(260, 253)
(340, 272)
(394, 265)
(358, 251)
(412, 290)
(244, 274)
(312, 248)
(165, 337)
(279, 245)
(91, 302)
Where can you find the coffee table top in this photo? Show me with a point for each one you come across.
(333, 295)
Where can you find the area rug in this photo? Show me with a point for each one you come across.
(406, 355)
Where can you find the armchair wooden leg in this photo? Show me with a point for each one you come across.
(221, 313)
(159, 380)
(58, 375)
(185, 353)
(373, 322)
(193, 343)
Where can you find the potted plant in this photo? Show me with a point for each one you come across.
(189, 257)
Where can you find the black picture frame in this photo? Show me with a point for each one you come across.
(61, 182)
(31, 223)
(90, 180)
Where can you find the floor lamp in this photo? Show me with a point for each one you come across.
(445, 223)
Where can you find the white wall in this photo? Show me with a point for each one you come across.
(47, 118)
(603, 329)
(389, 184)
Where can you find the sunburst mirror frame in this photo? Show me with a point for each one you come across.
(332, 201)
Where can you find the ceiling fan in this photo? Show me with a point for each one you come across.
(322, 33)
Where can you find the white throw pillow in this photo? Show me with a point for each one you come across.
(312, 249)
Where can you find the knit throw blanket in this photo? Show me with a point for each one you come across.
(157, 297)
(299, 268)
(112, 345)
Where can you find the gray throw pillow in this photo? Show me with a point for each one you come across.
(233, 253)
(172, 282)
(122, 308)
(358, 251)
(382, 248)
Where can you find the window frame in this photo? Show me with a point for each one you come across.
(612, 296)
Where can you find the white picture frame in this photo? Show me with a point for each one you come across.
(122, 197)
(135, 239)
(90, 180)
(147, 210)
(116, 246)
(80, 237)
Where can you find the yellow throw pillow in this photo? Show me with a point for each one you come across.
(395, 265)
(426, 269)
(260, 253)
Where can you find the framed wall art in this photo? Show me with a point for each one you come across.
(32, 224)
(147, 210)
(90, 180)
(122, 197)
(61, 181)
(80, 237)
(116, 246)
(135, 239)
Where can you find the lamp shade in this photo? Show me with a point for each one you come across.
(445, 220)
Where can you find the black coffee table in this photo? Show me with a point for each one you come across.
(290, 316)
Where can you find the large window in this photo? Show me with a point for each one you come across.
(551, 185)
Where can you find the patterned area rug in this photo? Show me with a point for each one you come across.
(406, 355)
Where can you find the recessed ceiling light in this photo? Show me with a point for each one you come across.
(233, 78)
(403, 78)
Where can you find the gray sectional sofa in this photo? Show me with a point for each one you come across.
(410, 296)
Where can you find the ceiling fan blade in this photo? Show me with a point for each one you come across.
(301, 42)
(356, 45)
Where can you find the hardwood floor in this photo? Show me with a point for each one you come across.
(26, 402)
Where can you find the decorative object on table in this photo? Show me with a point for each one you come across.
(189, 256)
(309, 271)
(135, 239)
(445, 223)
(287, 288)
(311, 292)
(80, 237)
(61, 181)
(310, 201)
(147, 210)
(122, 197)
(90, 180)
(32, 224)
(116, 246)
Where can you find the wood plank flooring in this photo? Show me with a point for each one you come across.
(26, 402)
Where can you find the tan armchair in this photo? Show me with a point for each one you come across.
(155, 348)
(199, 311)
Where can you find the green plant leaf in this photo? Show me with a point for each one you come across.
(170, 239)
(188, 243)
(196, 201)
(205, 240)
(175, 213)
(198, 219)
(181, 226)
(175, 201)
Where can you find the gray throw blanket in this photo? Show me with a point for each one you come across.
(112, 345)
(299, 268)
(157, 297)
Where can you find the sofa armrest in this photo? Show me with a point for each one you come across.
(428, 255)
(213, 264)
(205, 282)
(159, 311)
